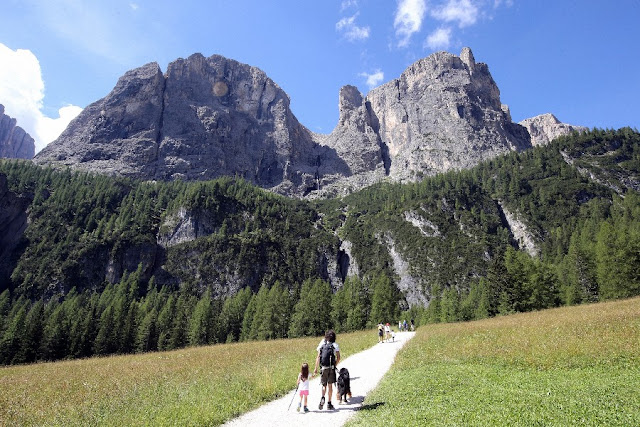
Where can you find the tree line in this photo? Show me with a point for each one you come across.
(131, 317)
(577, 196)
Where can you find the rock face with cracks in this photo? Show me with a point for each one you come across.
(210, 117)
(546, 127)
(204, 118)
(14, 141)
(443, 112)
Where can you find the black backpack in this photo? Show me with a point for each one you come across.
(327, 356)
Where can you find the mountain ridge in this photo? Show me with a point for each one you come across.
(210, 117)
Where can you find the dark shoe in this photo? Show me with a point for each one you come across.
(330, 406)
(306, 409)
(321, 405)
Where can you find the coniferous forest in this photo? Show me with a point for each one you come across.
(109, 265)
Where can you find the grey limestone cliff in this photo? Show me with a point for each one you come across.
(209, 117)
(14, 141)
(443, 112)
(204, 118)
(546, 127)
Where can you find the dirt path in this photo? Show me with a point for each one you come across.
(365, 368)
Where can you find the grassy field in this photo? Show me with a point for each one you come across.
(567, 366)
(561, 367)
(193, 386)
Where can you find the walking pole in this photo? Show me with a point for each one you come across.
(294, 395)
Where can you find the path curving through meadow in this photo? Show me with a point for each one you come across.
(365, 368)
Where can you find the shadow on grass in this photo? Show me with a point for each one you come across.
(370, 407)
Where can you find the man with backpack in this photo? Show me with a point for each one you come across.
(328, 358)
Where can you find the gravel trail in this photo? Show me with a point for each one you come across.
(365, 368)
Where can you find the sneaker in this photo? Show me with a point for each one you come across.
(298, 408)
(321, 405)
(306, 409)
(330, 406)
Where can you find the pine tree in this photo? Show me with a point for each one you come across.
(106, 340)
(55, 337)
(301, 317)
(165, 322)
(12, 338)
(340, 307)
(449, 306)
(201, 322)
(32, 334)
(247, 319)
(384, 302)
(232, 315)
(359, 298)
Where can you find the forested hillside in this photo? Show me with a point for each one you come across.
(109, 265)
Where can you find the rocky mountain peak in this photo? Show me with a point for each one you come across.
(467, 57)
(546, 127)
(443, 112)
(203, 118)
(350, 99)
(207, 117)
(15, 142)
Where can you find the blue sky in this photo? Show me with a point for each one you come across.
(576, 59)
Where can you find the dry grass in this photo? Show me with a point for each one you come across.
(192, 386)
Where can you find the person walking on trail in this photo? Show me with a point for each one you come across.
(328, 358)
(380, 333)
(387, 331)
(303, 386)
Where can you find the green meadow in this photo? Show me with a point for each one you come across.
(561, 367)
(567, 366)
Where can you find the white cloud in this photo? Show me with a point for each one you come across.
(350, 30)
(439, 39)
(134, 6)
(373, 79)
(408, 19)
(346, 4)
(498, 3)
(462, 11)
(22, 94)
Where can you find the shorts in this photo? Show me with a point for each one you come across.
(328, 376)
(379, 332)
(304, 392)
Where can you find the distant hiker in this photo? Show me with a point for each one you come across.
(303, 386)
(412, 325)
(387, 331)
(393, 336)
(328, 358)
(399, 325)
(380, 333)
(404, 326)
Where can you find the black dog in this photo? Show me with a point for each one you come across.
(344, 386)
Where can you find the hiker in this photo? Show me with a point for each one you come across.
(387, 331)
(303, 386)
(380, 333)
(400, 325)
(412, 325)
(328, 358)
(404, 325)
